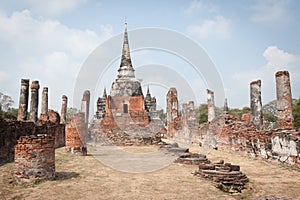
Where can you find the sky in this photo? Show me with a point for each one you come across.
(52, 41)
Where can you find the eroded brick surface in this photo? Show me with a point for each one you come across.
(276, 145)
(23, 102)
(34, 159)
(284, 100)
(76, 134)
(11, 131)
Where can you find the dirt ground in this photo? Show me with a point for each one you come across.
(85, 177)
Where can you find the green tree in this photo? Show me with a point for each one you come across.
(70, 112)
(11, 113)
(269, 117)
(296, 113)
(202, 114)
(239, 112)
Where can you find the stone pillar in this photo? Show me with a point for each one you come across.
(172, 106)
(76, 134)
(34, 101)
(64, 105)
(284, 100)
(85, 105)
(210, 105)
(34, 159)
(256, 104)
(225, 109)
(44, 101)
(23, 103)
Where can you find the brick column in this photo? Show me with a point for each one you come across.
(64, 105)
(85, 105)
(23, 102)
(225, 108)
(210, 105)
(256, 104)
(284, 100)
(44, 101)
(34, 159)
(34, 101)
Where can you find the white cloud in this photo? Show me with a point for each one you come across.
(45, 50)
(53, 7)
(219, 27)
(276, 60)
(272, 12)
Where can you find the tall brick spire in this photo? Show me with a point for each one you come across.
(126, 70)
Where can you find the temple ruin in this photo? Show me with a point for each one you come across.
(125, 111)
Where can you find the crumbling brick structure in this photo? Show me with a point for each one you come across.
(277, 145)
(48, 122)
(76, 134)
(227, 177)
(188, 125)
(284, 100)
(256, 104)
(34, 159)
(85, 105)
(11, 131)
(23, 103)
(210, 105)
(44, 109)
(173, 121)
(101, 102)
(34, 101)
(64, 108)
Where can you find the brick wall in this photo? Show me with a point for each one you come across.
(34, 159)
(11, 131)
(279, 145)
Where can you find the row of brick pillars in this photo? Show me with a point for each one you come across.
(34, 102)
(284, 102)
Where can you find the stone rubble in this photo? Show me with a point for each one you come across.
(227, 177)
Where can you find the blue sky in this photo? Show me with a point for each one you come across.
(247, 40)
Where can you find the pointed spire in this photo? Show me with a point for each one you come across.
(225, 109)
(126, 70)
(148, 95)
(104, 93)
(148, 91)
(126, 60)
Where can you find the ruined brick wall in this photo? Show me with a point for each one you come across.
(279, 145)
(188, 124)
(11, 131)
(34, 158)
(76, 134)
